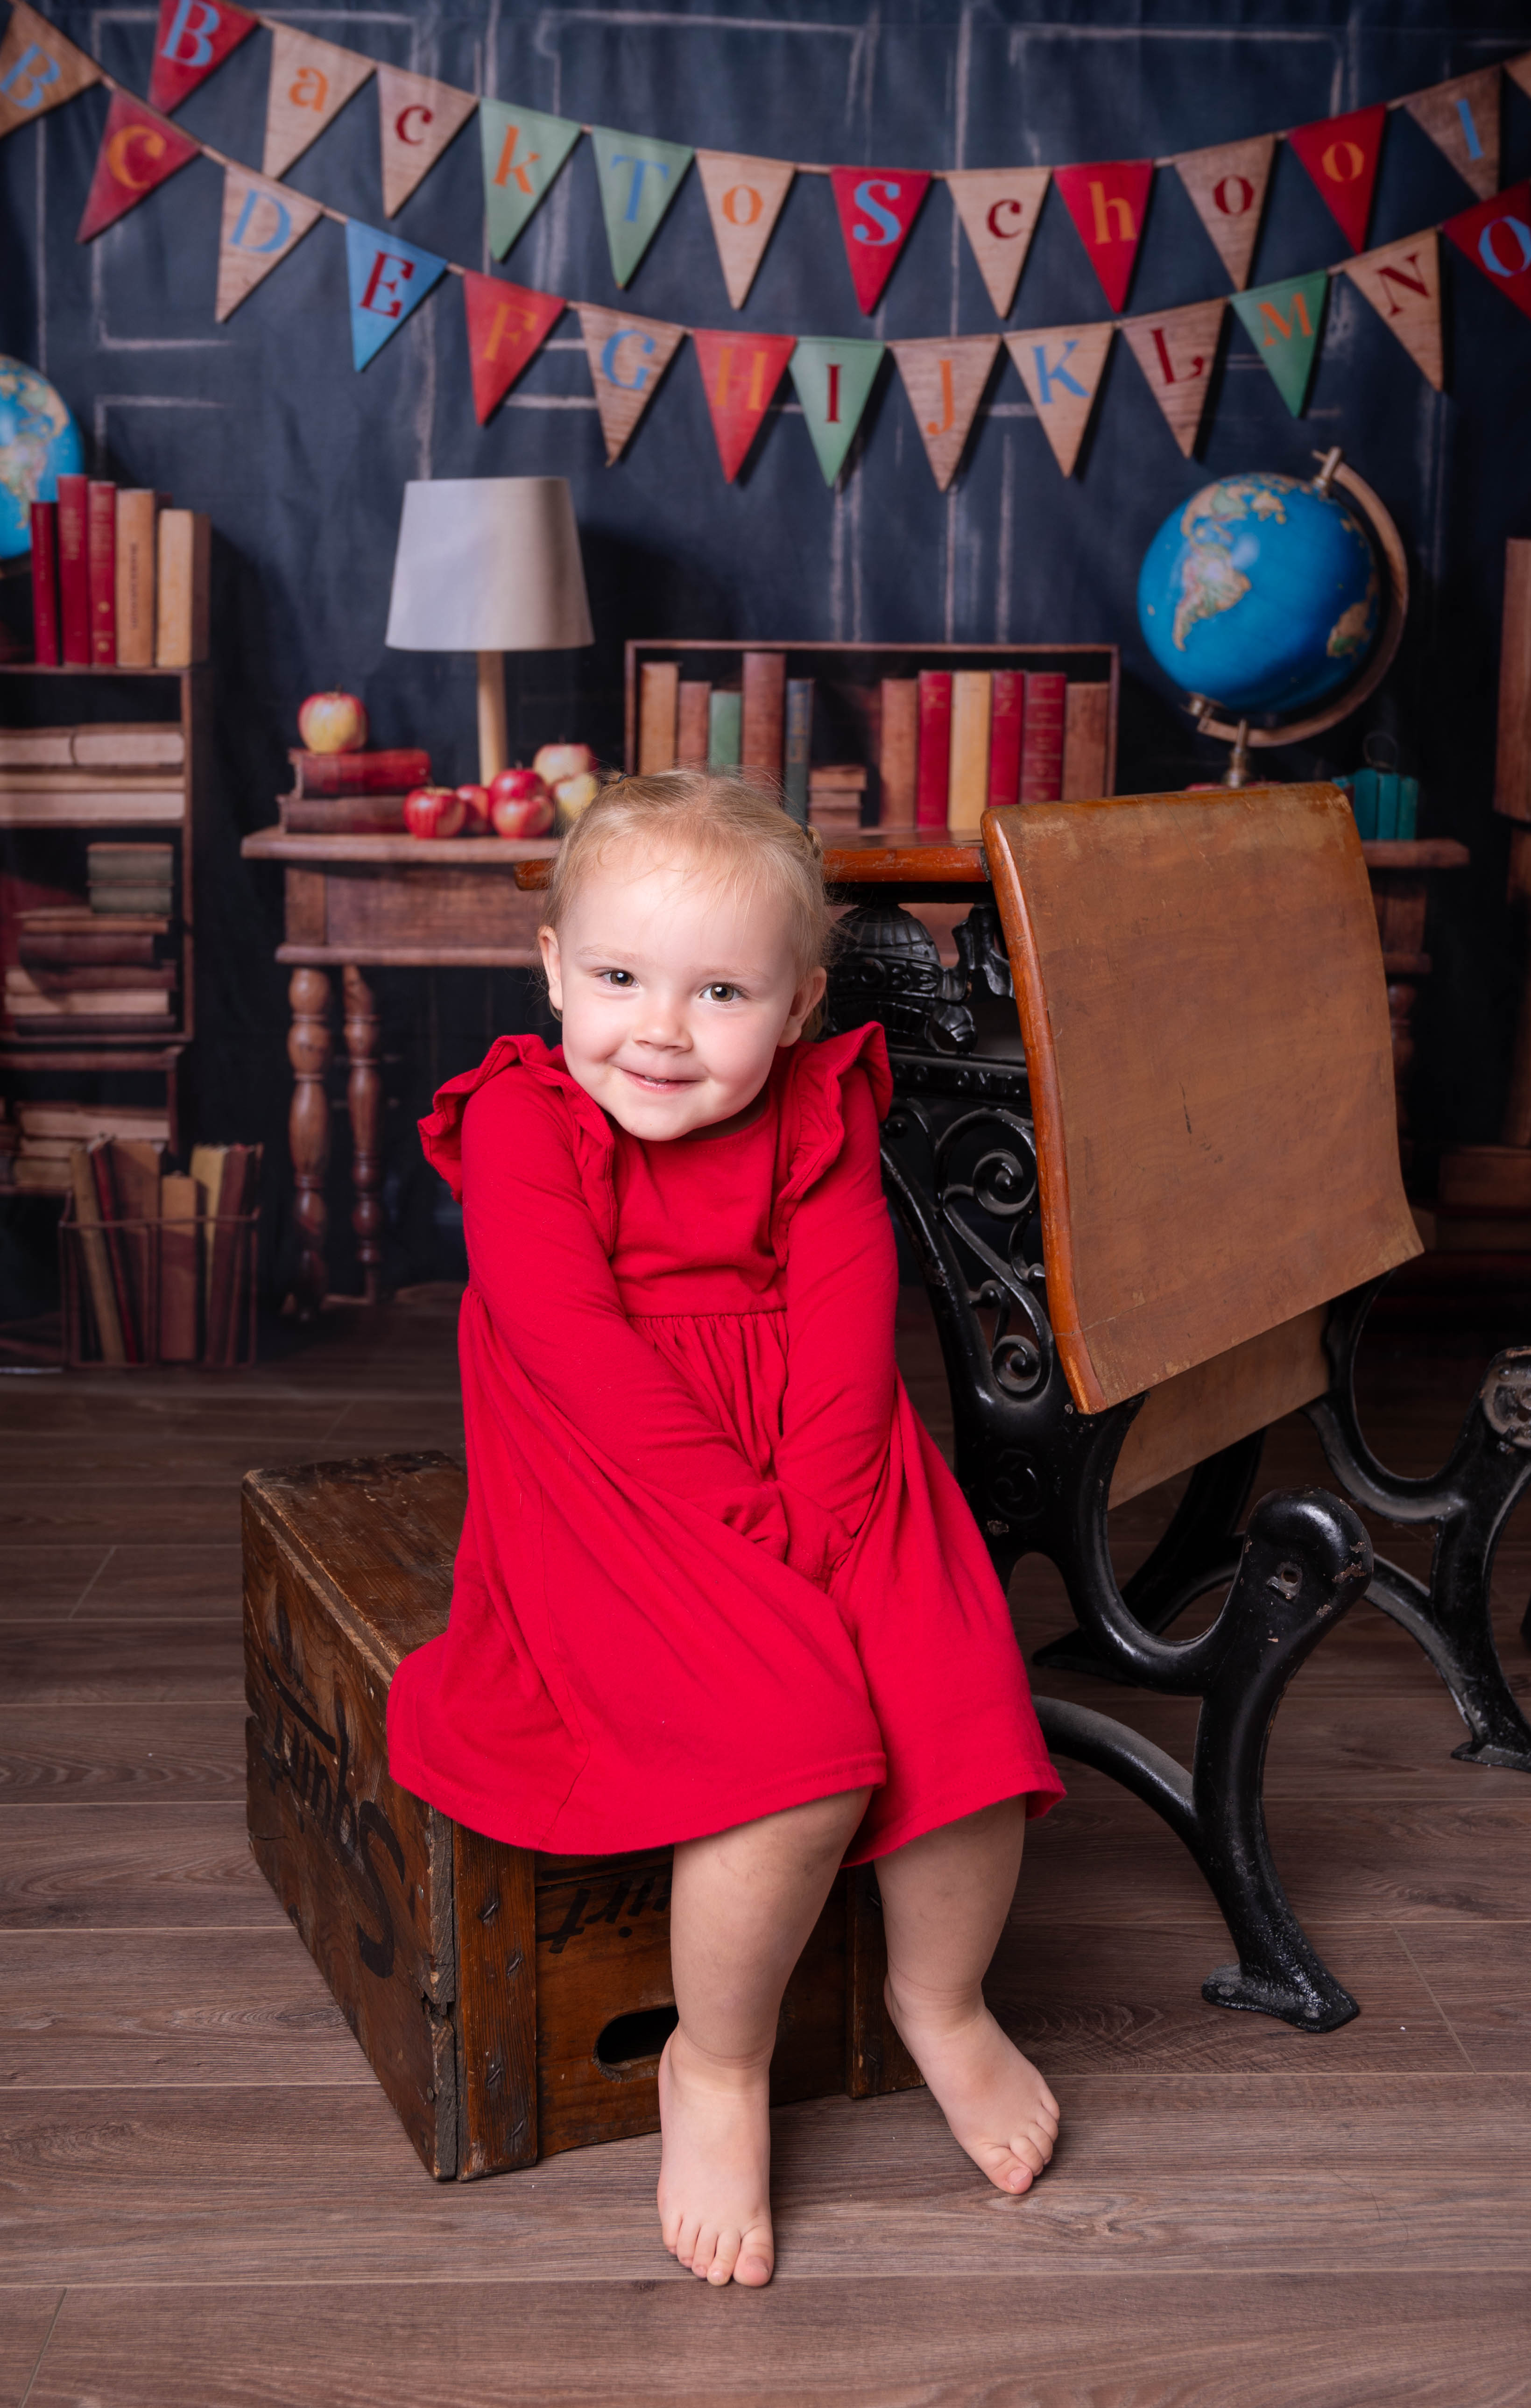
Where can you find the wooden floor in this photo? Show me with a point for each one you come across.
(207, 2202)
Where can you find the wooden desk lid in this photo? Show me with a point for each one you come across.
(1202, 997)
(378, 1536)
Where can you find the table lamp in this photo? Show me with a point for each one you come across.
(488, 564)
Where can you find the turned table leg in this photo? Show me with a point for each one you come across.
(308, 1130)
(364, 1094)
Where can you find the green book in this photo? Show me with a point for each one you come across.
(724, 730)
(799, 737)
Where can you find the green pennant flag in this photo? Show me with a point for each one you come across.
(524, 151)
(1284, 322)
(834, 377)
(638, 179)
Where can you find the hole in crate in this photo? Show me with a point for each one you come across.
(627, 2040)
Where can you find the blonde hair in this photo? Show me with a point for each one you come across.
(727, 824)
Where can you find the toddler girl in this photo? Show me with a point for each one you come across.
(716, 1587)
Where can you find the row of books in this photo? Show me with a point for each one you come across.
(103, 775)
(945, 745)
(165, 1260)
(119, 579)
(105, 967)
(36, 1145)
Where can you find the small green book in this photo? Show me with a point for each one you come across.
(724, 730)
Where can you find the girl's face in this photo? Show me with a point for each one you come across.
(675, 994)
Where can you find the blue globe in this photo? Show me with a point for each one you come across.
(1262, 594)
(39, 442)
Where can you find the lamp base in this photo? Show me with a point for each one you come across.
(492, 741)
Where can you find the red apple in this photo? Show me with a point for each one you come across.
(556, 762)
(333, 722)
(434, 812)
(520, 804)
(475, 802)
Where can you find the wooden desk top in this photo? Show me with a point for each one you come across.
(494, 852)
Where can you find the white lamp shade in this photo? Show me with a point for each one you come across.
(488, 564)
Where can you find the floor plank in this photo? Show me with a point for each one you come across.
(167, 1579)
(39, 1514)
(127, 1868)
(1486, 1992)
(105, 1752)
(47, 1580)
(81, 1662)
(26, 2319)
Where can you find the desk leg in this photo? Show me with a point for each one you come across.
(308, 1045)
(366, 1096)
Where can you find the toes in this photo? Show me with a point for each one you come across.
(724, 2257)
(756, 2263)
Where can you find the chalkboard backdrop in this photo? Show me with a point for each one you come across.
(301, 462)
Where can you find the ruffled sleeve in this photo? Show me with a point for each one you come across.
(592, 1145)
(814, 1112)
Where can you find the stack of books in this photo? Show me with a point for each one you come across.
(162, 1263)
(835, 800)
(92, 776)
(119, 579)
(352, 793)
(130, 878)
(47, 1135)
(94, 971)
(9, 1149)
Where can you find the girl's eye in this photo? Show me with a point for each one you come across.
(721, 992)
(618, 978)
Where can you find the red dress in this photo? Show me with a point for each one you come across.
(713, 1565)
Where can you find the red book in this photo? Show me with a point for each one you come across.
(45, 583)
(109, 1208)
(1006, 721)
(1043, 736)
(101, 552)
(934, 777)
(323, 775)
(74, 572)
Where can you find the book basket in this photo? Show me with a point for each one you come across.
(179, 1292)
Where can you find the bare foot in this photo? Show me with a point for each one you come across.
(714, 2172)
(998, 2106)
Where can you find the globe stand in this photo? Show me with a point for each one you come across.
(1245, 738)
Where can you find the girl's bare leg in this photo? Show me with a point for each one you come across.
(945, 1898)
(743, 1904)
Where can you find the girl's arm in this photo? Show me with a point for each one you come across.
(539, 1266)
(842, 1292)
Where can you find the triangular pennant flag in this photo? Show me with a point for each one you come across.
(310, 83)
(1496, 238)
(524, 151)
(138, 151)
(628, 355)
(999, 207)
(506, 327)
(262, 224)
(1228, 185)
(833, 376)
(639, 180)
(944, 378)
(1341, 154)
(740, 373)
(1175, 350)
(39, 69)
(193, 38)
(1061, 367)
(744, 199)
(1519, 70)
(877, 207)
(1462, 118)
(389, 280)
(1108, 203)
(417, 118)
(1284, 322)
(1402, 281)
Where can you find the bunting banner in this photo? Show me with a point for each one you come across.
(833, 378)
(1176, 350)
(1402, 281)
(1284, 322)
(944, 379)
(1341, 155)
(740, 373)
(388, 279)
(309, 85)
(1462, 118)
(638, 180)
(138, 151)
(1496, 238)
(1061, 367)
(507, 327)
(1107, 204)
(628, 357)
(744, 199)
(877, 207)
(524, 149)
(417, 118)
(39, 69)
(262, 222)
(1519, 72)
(999, 208)
(1228, 185)
(192, 40)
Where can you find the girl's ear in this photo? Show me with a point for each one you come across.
(547, 940)
(810, 995)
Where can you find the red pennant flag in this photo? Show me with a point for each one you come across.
(1496, 235)
(878, 206)
(506, 327)
(137, 151)
(1108, 203)
(1341, 154)
(194, 37)
(740, 372)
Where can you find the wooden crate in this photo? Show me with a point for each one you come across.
(510, 2004)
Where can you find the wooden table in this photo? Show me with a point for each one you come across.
(357, 903)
